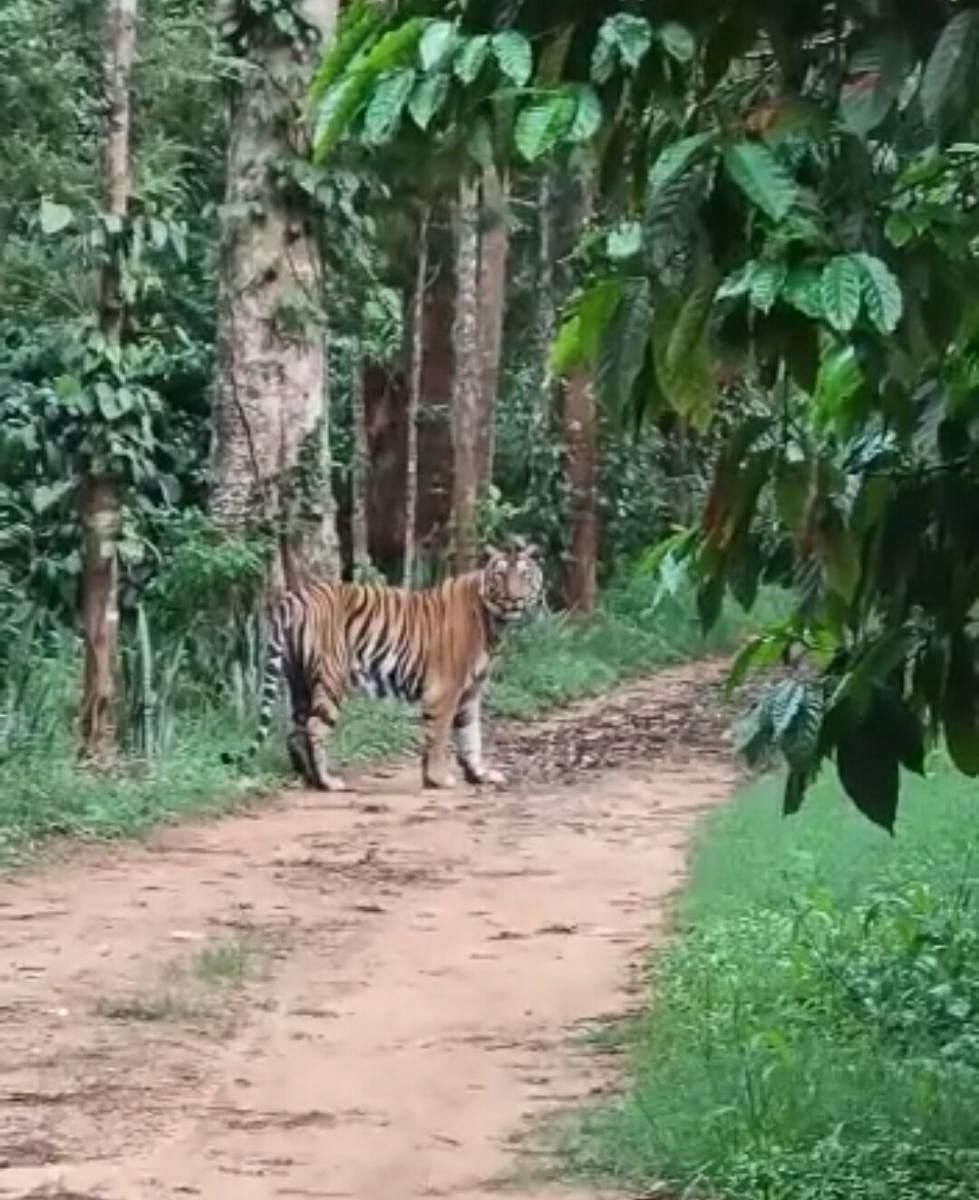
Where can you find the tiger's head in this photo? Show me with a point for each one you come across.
(512, 581)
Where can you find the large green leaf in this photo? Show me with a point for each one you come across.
(437, 44)
(677, 41)
(514, 55)
(358, 23)
(54, 217)
(542, 125)
(383, 115)
(842, 285)
(803, 289)
(868, 768)
(675, 158)
(622, 38)
(588, 113)
(427, 98)
(580, 334)
(681, 349)
(766, 284)
(882, 296)
(623, 346)
(875, 76)
(799, 734)
(960, 712)
(762, 178)
(470, 57)
(950, 73)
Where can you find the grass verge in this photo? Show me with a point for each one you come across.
(551, 661)
(813, 1030)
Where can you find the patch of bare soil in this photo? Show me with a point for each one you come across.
(363, 996)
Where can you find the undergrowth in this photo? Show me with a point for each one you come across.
(813, 1030)
(172, 766)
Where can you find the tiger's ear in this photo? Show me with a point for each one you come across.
(488, 554)
(531, 550)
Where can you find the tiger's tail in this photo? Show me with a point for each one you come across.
(271, 675)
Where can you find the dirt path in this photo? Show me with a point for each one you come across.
(361, 997)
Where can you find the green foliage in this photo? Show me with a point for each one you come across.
(847, 1067)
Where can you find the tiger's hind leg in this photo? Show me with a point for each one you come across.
(468, 735)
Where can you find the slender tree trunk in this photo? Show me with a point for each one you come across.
(544, 310)
(581, 451)
(99, 501)
(359, 479)
(493, 248)
(466, 384)
(414, 398)
(270, 402)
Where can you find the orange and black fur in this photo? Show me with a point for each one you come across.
(432, 646)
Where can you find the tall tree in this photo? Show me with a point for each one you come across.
(417, 335)
(99, 499)
(466, 384)
(493, 249)
(359, 472)
(270, 414)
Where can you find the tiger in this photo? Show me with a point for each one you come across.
(432, 646)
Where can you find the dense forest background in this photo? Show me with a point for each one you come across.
(683, 292)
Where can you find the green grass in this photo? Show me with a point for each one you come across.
(813, 1030)
(553, 660)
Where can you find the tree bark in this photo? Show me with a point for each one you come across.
(466, 384)
(359, 477)
(414, 399)
(270, 400)
(580, 451)
(493, 249)
(580, 447)
(99, 501)
(544, 310)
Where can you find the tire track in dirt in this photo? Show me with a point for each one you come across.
(426, 962)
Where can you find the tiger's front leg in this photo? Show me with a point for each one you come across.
(325, 709)
(437, 713)
(468, 734)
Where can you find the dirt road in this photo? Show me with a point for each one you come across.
(366, 996)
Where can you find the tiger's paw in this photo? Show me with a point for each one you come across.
(485, 777)
(439, 779)
(332, 783)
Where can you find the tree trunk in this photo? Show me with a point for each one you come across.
(544, 300)
(580, 451)
(270, 401)
(493, 248)
(99, 503)
(466, 384)
(359, 478)
(414, 398)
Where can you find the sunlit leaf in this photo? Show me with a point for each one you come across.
(882, 296)
(841, 290)
(757, 172)
(514, 55)
(677, 157)
(436, 44)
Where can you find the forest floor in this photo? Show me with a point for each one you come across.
(373, 995)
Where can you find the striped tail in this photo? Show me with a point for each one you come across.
(274, 659)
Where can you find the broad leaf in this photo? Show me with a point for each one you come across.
(875, 76)
(881, 293)
(803, 289)
(794, 794)
(766, 283)
(470, 57)
(436, 44)
(541, 125)
(841, 288)
(581, 332)
(623, 346)
(514, 55)
(54, 217)
(625, 240)
(799, 736)
(677, 157)
(762, 178)
(950, 71)
(677, 41)
(46, 495)
(622, 38)
(386, 106)
(587, 114)
(961, 706)
(868, 768)
(786, 700)
(681, 350)
(427, 98)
